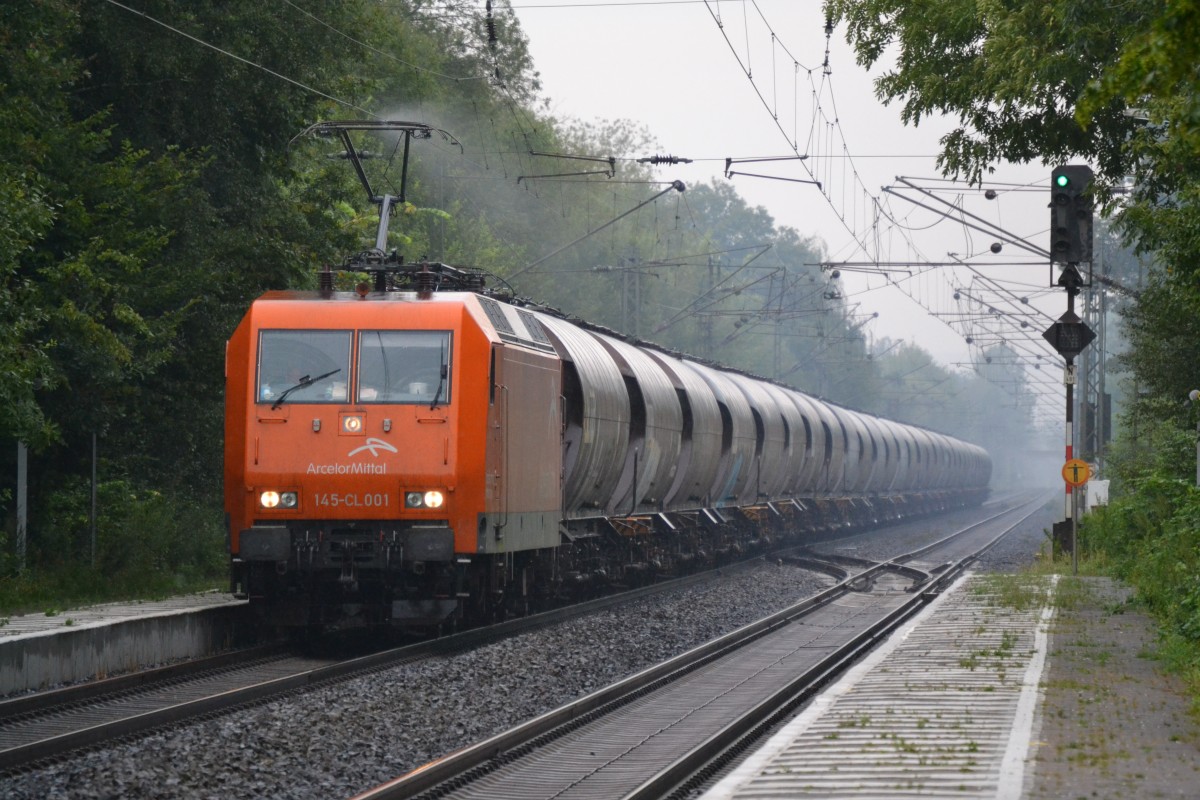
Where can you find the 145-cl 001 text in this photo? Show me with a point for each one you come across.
(351, 500)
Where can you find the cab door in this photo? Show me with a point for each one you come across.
(524, 450)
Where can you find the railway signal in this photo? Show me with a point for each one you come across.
(1070, 245)
(1071, 215)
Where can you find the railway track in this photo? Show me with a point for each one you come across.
(657, 731)
(50, 724)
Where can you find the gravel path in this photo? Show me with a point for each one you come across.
(338, 741)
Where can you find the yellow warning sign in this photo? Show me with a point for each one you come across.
(1076, 472)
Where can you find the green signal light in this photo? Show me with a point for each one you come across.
(1061, 181)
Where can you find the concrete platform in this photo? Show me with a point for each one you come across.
(39, 651)
(977, 699)
(1111, 723)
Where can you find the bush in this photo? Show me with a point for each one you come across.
(1152, 540)
(148, 544)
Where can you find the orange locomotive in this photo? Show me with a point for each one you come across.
(378, 443)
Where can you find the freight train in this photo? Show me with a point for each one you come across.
(422, 451)
(420, 456)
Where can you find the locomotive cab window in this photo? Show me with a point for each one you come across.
(404, 367)
(303, 366)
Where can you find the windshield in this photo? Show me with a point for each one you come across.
(290, 361)
(404, 367)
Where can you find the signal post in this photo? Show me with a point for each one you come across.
(1071, 222)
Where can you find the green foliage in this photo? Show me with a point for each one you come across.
(1152, 538)
(148, 544)
(30, 70)
(91, 218)
(1156, 72)
(1148, 446)
(1011, 73)
(1149, 535)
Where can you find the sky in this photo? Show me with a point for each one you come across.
(680, 68)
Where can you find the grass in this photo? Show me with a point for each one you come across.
(52, 591)
(1177, 651)
(1027, 589)
(1020, 591)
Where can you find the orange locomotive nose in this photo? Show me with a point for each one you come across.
(338, 415)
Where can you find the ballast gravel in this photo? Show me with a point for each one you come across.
(341, 740)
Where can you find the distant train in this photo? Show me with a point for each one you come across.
(416, 456)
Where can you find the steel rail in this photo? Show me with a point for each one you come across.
(27, 705)
(105, 698)
(679, 777)
(456, 765)
(477, 760)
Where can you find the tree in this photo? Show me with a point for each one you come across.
(1012, 73)
(29, 69)
(1114, 84)
(86, 218)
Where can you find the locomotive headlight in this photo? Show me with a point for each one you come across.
(430, 499)
(352, 423)
(274, 499)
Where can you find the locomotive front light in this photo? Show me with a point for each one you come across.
(274, 499)
(430, 499)
(352, 423)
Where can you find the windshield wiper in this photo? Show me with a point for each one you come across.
(304, 383)
(441, 379)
